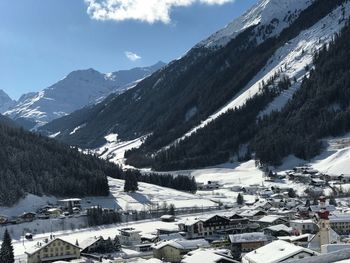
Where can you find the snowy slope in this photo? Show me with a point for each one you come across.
(77, 90)
(278, 13)
(5, 101)
(291, 59)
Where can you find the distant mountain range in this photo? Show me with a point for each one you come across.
(77, 90)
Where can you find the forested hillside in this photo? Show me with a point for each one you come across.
(31, 163)
(319, 109)
(188, 90)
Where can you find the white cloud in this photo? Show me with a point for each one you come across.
(149, 11)
(132, 56)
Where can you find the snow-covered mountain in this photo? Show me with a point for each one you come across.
(5, 101)
(182, 103)
(77, 90)
(273, 15)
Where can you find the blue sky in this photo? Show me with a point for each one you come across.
(42, 41)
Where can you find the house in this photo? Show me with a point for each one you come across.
(70, 203)
(54, 250)
(301, 240)
(195, 228)
(27, 217)
(278, 230)
(174, 250)
(271, 220)
(54, 212)
(340, 223)
(341, 256)
(97, 245)
(318, 182)
(129, 237)
(243, 243)
(211, 185)
(304, 226)
(277, 251)
(209, 256)
(253, 214)
(3, 220)
(167, 218)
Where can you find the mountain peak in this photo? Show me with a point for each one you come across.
(262, 13)
(5, 101)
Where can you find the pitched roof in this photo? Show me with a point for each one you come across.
(208, 256)
(276, 251)
(183, 244)
(33, 250)
(248, 237)
(326, 258)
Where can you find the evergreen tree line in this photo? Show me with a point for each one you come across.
(320, 108)
(97, 216)
(177, 182)
(31, 163)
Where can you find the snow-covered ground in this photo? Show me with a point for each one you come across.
(114, 150)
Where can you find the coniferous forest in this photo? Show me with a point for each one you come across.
(34, 164)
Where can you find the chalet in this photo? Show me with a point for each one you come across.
(278, 230)
(167, 218)
(253, 214)
(129, 237)
(210, 185)
(340, 223)
(70, 203)
(304, 226)
(94, 244)
(277, 251)
(204, 227)
(55, 250)
(243, 243)
(301, 240)
(344, 178)
(27, 217)
(174, 250)
(271, 220)
(3, 220)
(251, 190)
(210, 256)
(318, 182)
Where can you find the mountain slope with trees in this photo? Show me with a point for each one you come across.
(188, 90)
(31, 163)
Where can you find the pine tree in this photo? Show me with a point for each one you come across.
(240, 199)
(172, 209)
(291, 193)
(6, 251)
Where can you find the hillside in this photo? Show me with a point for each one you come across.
(171, 101)
(30, 163)
(235, 131)
(78, 89)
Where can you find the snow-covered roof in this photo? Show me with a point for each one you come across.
(269, 219)
(326, 258)
(248, 213)
(88, 242)
(35, 248)
(248, 237)
(280, 227)
(274, 252)
(302, 221)
(208, 256)
(183, 244)
(172, 236)
(295, 238)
